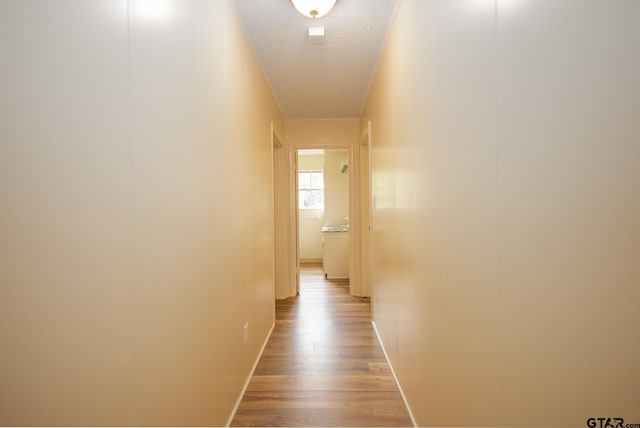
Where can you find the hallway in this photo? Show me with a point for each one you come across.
(323, 365)
(148, 179)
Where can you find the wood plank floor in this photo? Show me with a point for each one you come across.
(323, 365)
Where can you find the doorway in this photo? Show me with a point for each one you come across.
(311, 205)
(322, 204)
(323, 211)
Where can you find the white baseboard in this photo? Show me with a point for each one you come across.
(246, 383)
(393, 372)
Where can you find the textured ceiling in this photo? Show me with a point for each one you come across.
(328, 80)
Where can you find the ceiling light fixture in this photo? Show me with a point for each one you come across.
(313, 8)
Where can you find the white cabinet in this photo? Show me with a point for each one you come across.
(335, 257)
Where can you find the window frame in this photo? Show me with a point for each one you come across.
(310, 188)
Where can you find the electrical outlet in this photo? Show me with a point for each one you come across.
(246, 333)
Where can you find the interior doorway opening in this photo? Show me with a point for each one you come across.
(322, 206)
(323, 211)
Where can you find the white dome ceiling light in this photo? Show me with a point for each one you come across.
(314, 8)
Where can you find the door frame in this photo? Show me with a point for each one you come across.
(275, 146)
(354, 213)
(367, 206)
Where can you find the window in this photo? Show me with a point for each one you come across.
(311, 190)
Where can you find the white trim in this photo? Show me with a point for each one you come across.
(393, 372)
(246, 383)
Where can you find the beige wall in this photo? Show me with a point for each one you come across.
(310, 221)
(507, 210)
(336, 203)
(310, 162)
(316, 133)
(133, 199)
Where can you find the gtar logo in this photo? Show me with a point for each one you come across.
(605, 423)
